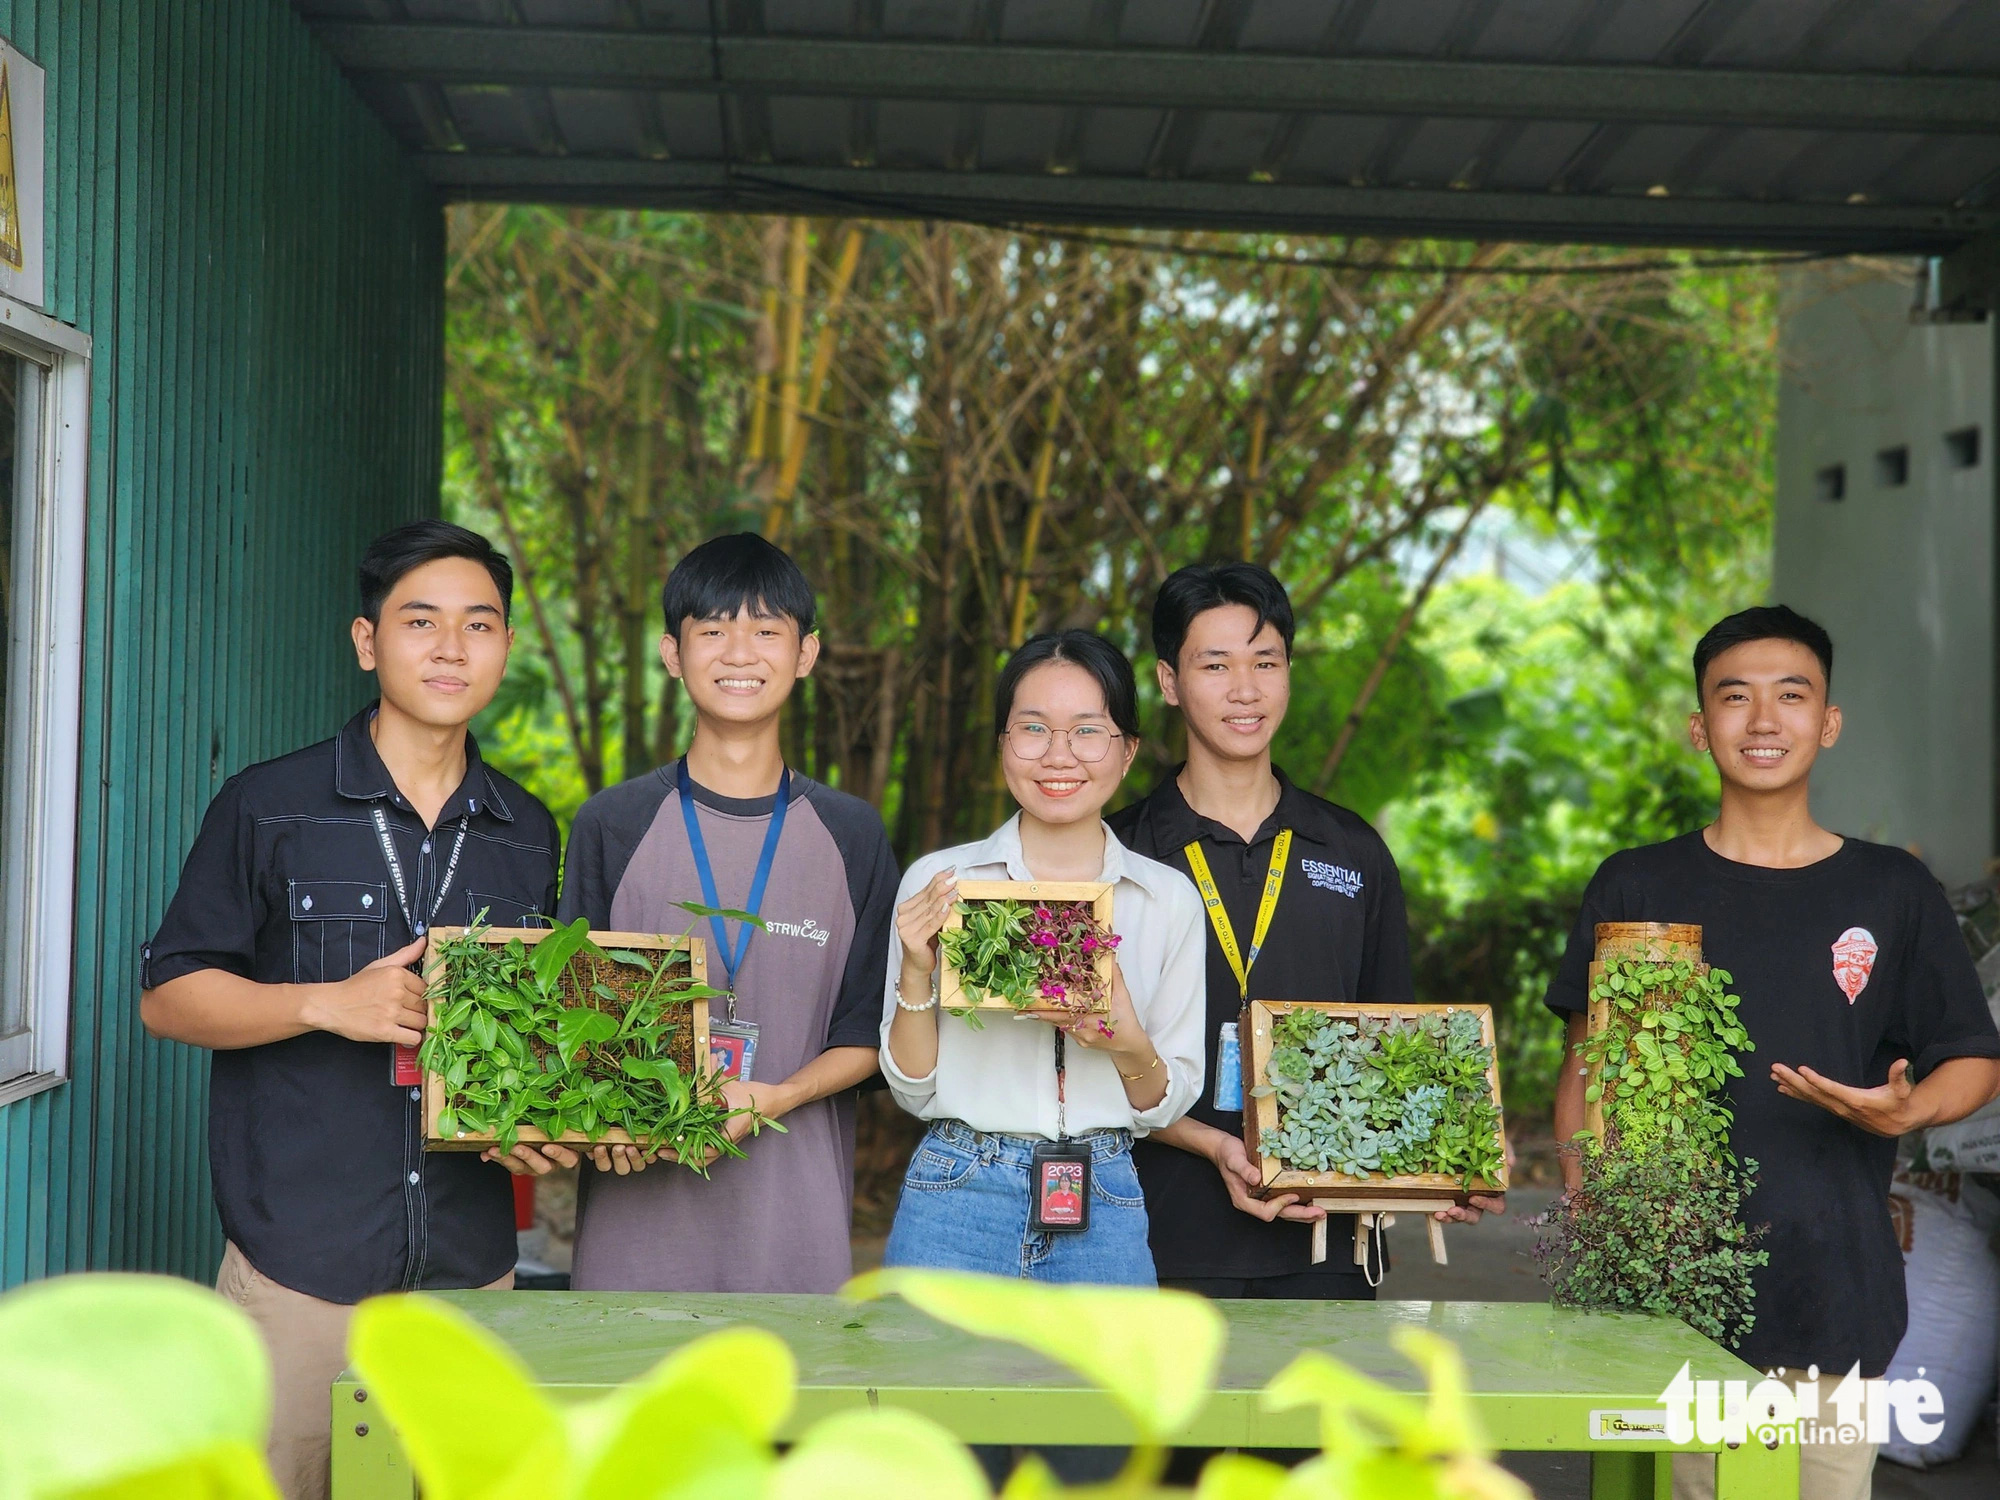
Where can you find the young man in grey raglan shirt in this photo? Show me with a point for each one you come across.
(739, 623)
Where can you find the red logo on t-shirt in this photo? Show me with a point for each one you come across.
(1853, 961)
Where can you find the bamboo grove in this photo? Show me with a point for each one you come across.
(969, 434)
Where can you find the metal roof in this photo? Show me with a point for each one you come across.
(1831, 124)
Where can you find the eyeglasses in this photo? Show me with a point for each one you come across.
(1089, 743)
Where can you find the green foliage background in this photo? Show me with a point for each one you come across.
(1524, 728)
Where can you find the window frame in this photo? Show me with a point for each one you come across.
(40, 809)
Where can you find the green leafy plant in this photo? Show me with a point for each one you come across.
(1655, 1224)
(1404, 1096)
(1656, 1228)
(1040, 955)
(565, 1036)
(142, 1388)
(1666, 1051)
(130, 1388)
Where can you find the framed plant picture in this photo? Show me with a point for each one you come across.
(1373, 1101)
(1015, 945)
(561, 1034)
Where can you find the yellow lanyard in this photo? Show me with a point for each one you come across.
(1274, 880)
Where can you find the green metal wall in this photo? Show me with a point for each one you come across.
(261, 273)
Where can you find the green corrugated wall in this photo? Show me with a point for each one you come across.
(261, 273)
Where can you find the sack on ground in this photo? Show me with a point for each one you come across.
(1953, 1281)
(1968, 1145)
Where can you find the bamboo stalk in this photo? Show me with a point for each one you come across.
(1045, 459)
(765, 352)
(815, 390)
(797, 262)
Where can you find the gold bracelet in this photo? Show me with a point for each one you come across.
(1135, 1077)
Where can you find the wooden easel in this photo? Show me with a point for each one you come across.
(1366, 1214)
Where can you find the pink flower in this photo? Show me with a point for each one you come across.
(1053, 992)
(1042, 912)
(1045, 939)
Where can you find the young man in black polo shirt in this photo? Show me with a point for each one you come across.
(1223, 635)
(290, 948)
(1857, 991)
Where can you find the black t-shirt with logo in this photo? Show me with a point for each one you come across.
(1338, 933)
(1844, 966)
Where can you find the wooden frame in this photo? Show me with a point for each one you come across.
(1665, 942)
(1426, 1192)
(953, 994)
(639, 942)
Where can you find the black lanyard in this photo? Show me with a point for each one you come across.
(1062, 1070)
(395, 865)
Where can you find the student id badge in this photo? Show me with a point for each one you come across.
(1059, 1183)
(403, 1070)
(1228, 1070)
(732, 1048)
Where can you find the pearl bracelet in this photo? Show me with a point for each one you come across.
(902, 1004)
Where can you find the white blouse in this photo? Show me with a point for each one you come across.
(1003, 1079)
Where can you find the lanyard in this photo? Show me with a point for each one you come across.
(1274, 880)
(389, 858)
(1062, 1117)
(732, 961)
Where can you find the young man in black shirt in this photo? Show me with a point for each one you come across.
(1335, 931)
(291, 951)
(1857, 991)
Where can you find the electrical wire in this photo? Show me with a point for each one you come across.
(901, 207)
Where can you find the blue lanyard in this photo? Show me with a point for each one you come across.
(732, 960)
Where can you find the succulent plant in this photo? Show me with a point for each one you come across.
(1401, 1096)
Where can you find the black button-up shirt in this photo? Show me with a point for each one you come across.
(317, 1156)
(1339, 933)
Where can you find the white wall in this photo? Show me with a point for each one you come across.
(1903, 577)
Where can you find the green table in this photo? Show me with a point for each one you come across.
(1537, 1374)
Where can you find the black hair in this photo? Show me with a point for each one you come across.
(395, 554)
(1083, 648)
(1200, 587)
(726, 575)
(1767, 622)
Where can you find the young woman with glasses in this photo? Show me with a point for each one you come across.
(1077, 1088)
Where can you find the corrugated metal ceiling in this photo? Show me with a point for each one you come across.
(1839, 124)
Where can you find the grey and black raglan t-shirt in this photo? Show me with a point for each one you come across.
(776, 1220)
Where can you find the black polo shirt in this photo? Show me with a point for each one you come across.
(1339, 933)
(317, 1156)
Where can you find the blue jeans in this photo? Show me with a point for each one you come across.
(964, 1207)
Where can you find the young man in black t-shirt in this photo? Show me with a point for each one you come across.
(1857, 991)
(1223, 635)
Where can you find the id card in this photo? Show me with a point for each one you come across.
(403, 1070)
(1228, 1070)
(1059, 1182)
(732, 1048)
